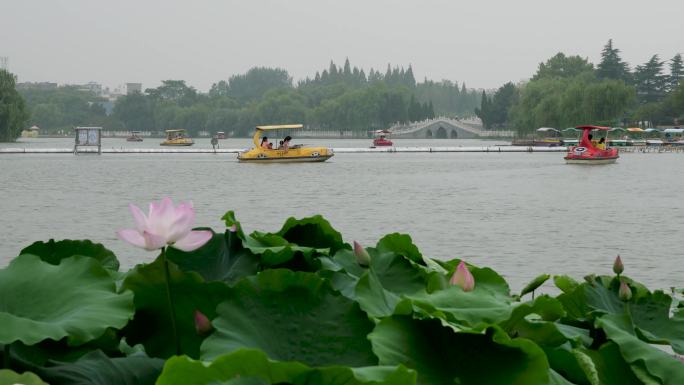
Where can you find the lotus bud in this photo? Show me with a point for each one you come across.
(625, 293)
(202, 323)
(362, 256)
(618, 267)
(232, 228)
(463, 278)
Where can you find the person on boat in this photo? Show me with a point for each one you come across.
(594, 142)
(601, 144)
(286, 143)
(265, 143)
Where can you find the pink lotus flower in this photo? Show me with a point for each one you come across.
(463, 278)
(362, 256)
(165, 225)
(202, 323)
(618, 267)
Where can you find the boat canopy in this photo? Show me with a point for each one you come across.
(593, 128)
(618, 129)
(570, 129)
(674, 130)
(176, 130)
(635, 129)
(650, 130)
(546, 129)
(259, 129)
(279, 127)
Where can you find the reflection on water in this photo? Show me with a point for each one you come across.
(521, 214)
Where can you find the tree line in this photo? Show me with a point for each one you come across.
(335, 98)
(568, 90)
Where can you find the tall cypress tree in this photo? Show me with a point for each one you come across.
(612, 66)
(409, 79)
(649, 81)
(347, 68)
(676, 72)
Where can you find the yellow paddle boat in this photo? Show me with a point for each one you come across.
(177, 138)
(265, 152)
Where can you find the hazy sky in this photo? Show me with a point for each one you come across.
(484, 43)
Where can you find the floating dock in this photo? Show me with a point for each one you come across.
(341, 150)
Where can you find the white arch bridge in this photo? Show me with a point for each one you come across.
(445, 128)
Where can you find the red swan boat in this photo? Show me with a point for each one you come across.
(588, 153)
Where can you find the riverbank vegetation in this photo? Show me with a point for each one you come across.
(13, 111)
(569, 90)
(336, 98)
(302, 306)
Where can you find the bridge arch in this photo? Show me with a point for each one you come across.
(453, 135)
(428, 134)
(441, 133)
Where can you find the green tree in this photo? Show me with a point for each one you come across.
(676, 73)
(13, 112)
(135, 112)
(611, 65)
(175, 91)
(649, 81)
(562, 66)
(256, 82)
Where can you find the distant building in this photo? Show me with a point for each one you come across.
(95, 88)
(133, 87)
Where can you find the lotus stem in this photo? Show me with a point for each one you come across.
(6, 356)
(169, 300)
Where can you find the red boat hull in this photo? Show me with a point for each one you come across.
(378, 142)
(591, 155)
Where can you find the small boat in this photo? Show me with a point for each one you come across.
(220, 135)
(134, 137)
(382, 138)
(588, 153)
(266, 153)
(177, 138)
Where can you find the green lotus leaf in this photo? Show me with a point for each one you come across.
(221, 259)
(292, 316)
(475, 309)
(379, 287)
(565, 283)
(485, 278)
(35, 356)
(534, 284)
(314, 232)
(536, 321)
(563, 361)
(557, 379)
(401, 244)
(373, 298)
(650, 312)
(651, 315)
(230, 221)
(54, 251)
(547, 308)
(8, 377)
(611, 367)
(151, 325)
(76, 299)
(275, 251)
(640, 355)
(256, 366)
(442, 356)
(95, 368)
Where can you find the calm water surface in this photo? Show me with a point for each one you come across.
(521, 214)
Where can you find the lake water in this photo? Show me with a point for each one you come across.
(522, 214)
